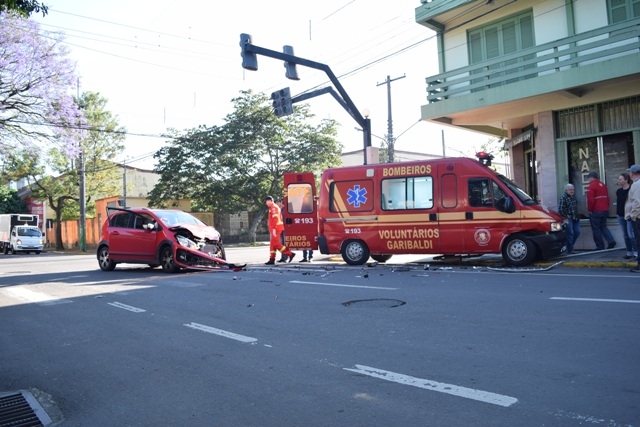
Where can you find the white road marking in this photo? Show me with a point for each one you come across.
(32, 296)
(467, 393)
(222, 333)
(630, 301)
(342, 286)
(126, 307)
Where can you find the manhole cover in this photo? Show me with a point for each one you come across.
(375, 303)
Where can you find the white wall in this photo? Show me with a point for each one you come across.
(590, 14)
(550, 21)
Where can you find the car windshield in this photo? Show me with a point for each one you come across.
(28, 232)
(170, 218)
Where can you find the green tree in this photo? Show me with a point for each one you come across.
(10, 202)
(102, 142)
(23, 7)
(232, 167)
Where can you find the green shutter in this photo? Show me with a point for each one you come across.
(621, 10)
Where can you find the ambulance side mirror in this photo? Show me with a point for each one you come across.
(506, 205)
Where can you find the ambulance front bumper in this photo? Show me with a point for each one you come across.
(551, 244)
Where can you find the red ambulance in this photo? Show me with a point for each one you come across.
(450, 206)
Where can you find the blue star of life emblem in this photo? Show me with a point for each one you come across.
(357, 196)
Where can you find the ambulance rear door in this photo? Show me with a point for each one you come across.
(300, 211)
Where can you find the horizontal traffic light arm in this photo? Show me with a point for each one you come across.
(346, 102)
(322, 91)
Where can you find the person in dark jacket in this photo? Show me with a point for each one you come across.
(568, 208)
(598, 207)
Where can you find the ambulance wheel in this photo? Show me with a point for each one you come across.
(519, 251)
(355, 252)
(381, 258)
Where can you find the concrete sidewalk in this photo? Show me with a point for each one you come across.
(609, 258)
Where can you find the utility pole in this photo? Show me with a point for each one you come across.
(390, 140)
(124, 184)
(83, 202)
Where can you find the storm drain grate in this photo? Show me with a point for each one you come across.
(21, 409)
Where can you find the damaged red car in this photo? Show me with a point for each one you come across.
(171, 239)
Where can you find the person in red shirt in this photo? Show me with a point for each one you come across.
(276, 227)
(598, 207)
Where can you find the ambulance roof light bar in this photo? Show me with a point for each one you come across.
(484, 158)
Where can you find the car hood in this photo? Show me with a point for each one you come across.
(198, 231)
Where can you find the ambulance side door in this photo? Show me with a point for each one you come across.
(486, 224)
(451, 220)
(300, 211)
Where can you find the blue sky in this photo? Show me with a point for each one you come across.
(176, 64)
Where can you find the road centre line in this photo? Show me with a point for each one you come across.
(342, 286)
(220, 332)
(467, 393)
(630, 301)
(126, 307)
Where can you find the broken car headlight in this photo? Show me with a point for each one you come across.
(187, 243)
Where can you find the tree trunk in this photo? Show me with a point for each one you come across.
(255, 222)
(59, 245)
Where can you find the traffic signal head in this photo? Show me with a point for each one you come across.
(282, 105)
(249, 59)
(290, 67)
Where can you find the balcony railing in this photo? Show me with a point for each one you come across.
(586, 48)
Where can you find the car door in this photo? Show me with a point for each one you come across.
(128, 240)
(144, 237)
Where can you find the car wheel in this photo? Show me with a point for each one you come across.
(37, 252)
(355, 252)
(166, 260)
(104, 260)
(381, 258)
(519, 251)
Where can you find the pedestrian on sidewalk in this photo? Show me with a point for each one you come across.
(632, 208)
(276, 227)
(598, 207)
(624, 181)
(568, 208)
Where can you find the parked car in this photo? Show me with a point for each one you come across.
(171, 239)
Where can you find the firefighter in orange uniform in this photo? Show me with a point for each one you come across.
(276, 227)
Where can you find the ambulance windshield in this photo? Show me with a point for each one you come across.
(520, 194)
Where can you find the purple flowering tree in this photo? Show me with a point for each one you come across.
(37, 110)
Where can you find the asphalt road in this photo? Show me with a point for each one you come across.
(321, 344)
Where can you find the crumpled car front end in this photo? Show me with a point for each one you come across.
(200, 248)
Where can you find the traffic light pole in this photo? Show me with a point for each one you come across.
(342, 97)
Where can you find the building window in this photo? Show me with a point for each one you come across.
(615, 115)
(502, 38)
(623, 10)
